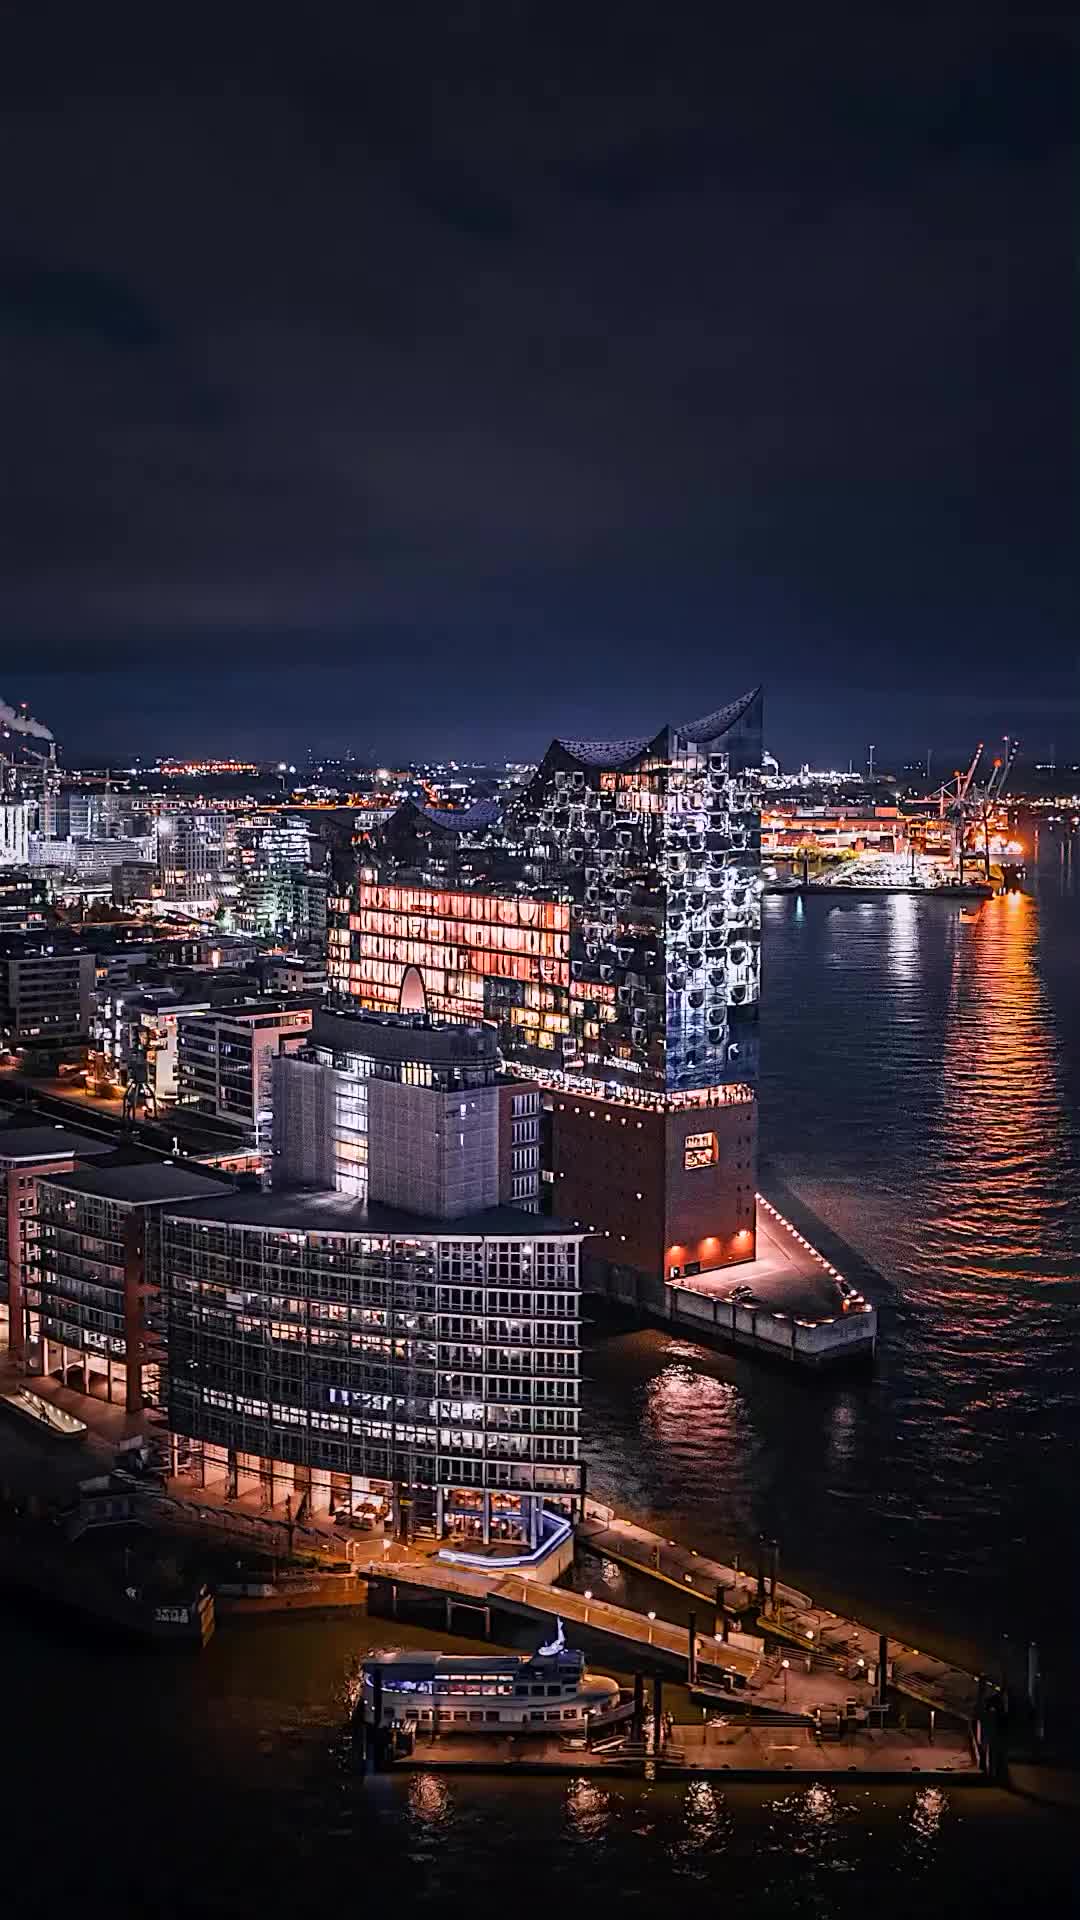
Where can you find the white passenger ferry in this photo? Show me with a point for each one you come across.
(449, 1693)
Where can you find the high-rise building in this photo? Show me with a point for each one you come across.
(274, 842)
(336, 1352)
(290, 902)
(193, 853)
(610, 930)
(457, 953)
(407, 1113)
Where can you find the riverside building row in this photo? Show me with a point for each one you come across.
(378, 1326)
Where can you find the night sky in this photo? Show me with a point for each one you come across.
(434, 378)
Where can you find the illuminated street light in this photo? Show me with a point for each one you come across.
(588, 1597)
(652, 1617)
(785, 1665)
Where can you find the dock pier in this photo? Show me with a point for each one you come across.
(791, 1303)
(785, 1686)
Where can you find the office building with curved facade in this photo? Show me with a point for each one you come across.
(336, 1352)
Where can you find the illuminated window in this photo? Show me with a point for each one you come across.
(700, 1150)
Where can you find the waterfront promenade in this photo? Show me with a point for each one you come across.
(794, 1617)
(827, 1643)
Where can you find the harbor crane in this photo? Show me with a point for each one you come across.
(968, 803)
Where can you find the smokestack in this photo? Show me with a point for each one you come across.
(22, 723)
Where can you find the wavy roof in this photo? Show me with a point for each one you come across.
(605, 753)
(711, 725)
(621, 753)
(482, 813)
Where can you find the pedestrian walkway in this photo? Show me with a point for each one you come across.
(683, 1567)
(791, 1615)
(517, 1593)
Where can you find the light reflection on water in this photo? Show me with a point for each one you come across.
(921, 1084)
(269, 1815)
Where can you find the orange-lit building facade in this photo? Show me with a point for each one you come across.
(459, 956)
(609, 927)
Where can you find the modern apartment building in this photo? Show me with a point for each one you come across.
(193, 853)
(24, 897)
(94, 1292)
(335, 1351)
(225, 1060)
(46, 995)
(27, 1153)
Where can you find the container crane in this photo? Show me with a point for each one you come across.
(968, 803)
(994, 791)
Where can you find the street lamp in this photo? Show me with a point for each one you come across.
(588, 1597)
(652, 1617)
(785, 1664)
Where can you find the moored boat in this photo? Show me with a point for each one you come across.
(548, 1693)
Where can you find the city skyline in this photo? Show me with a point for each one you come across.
(1047, 733)
(418, 399)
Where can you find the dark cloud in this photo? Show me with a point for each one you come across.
(443, 372)
(56, 303)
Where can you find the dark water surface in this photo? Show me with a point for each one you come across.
(922, 1073)
(921, 1093)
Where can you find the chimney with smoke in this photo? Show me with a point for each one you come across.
(22, 723)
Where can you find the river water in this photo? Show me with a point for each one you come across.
(921, 1092)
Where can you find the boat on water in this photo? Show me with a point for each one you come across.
(547, 1692)
(961, 890)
